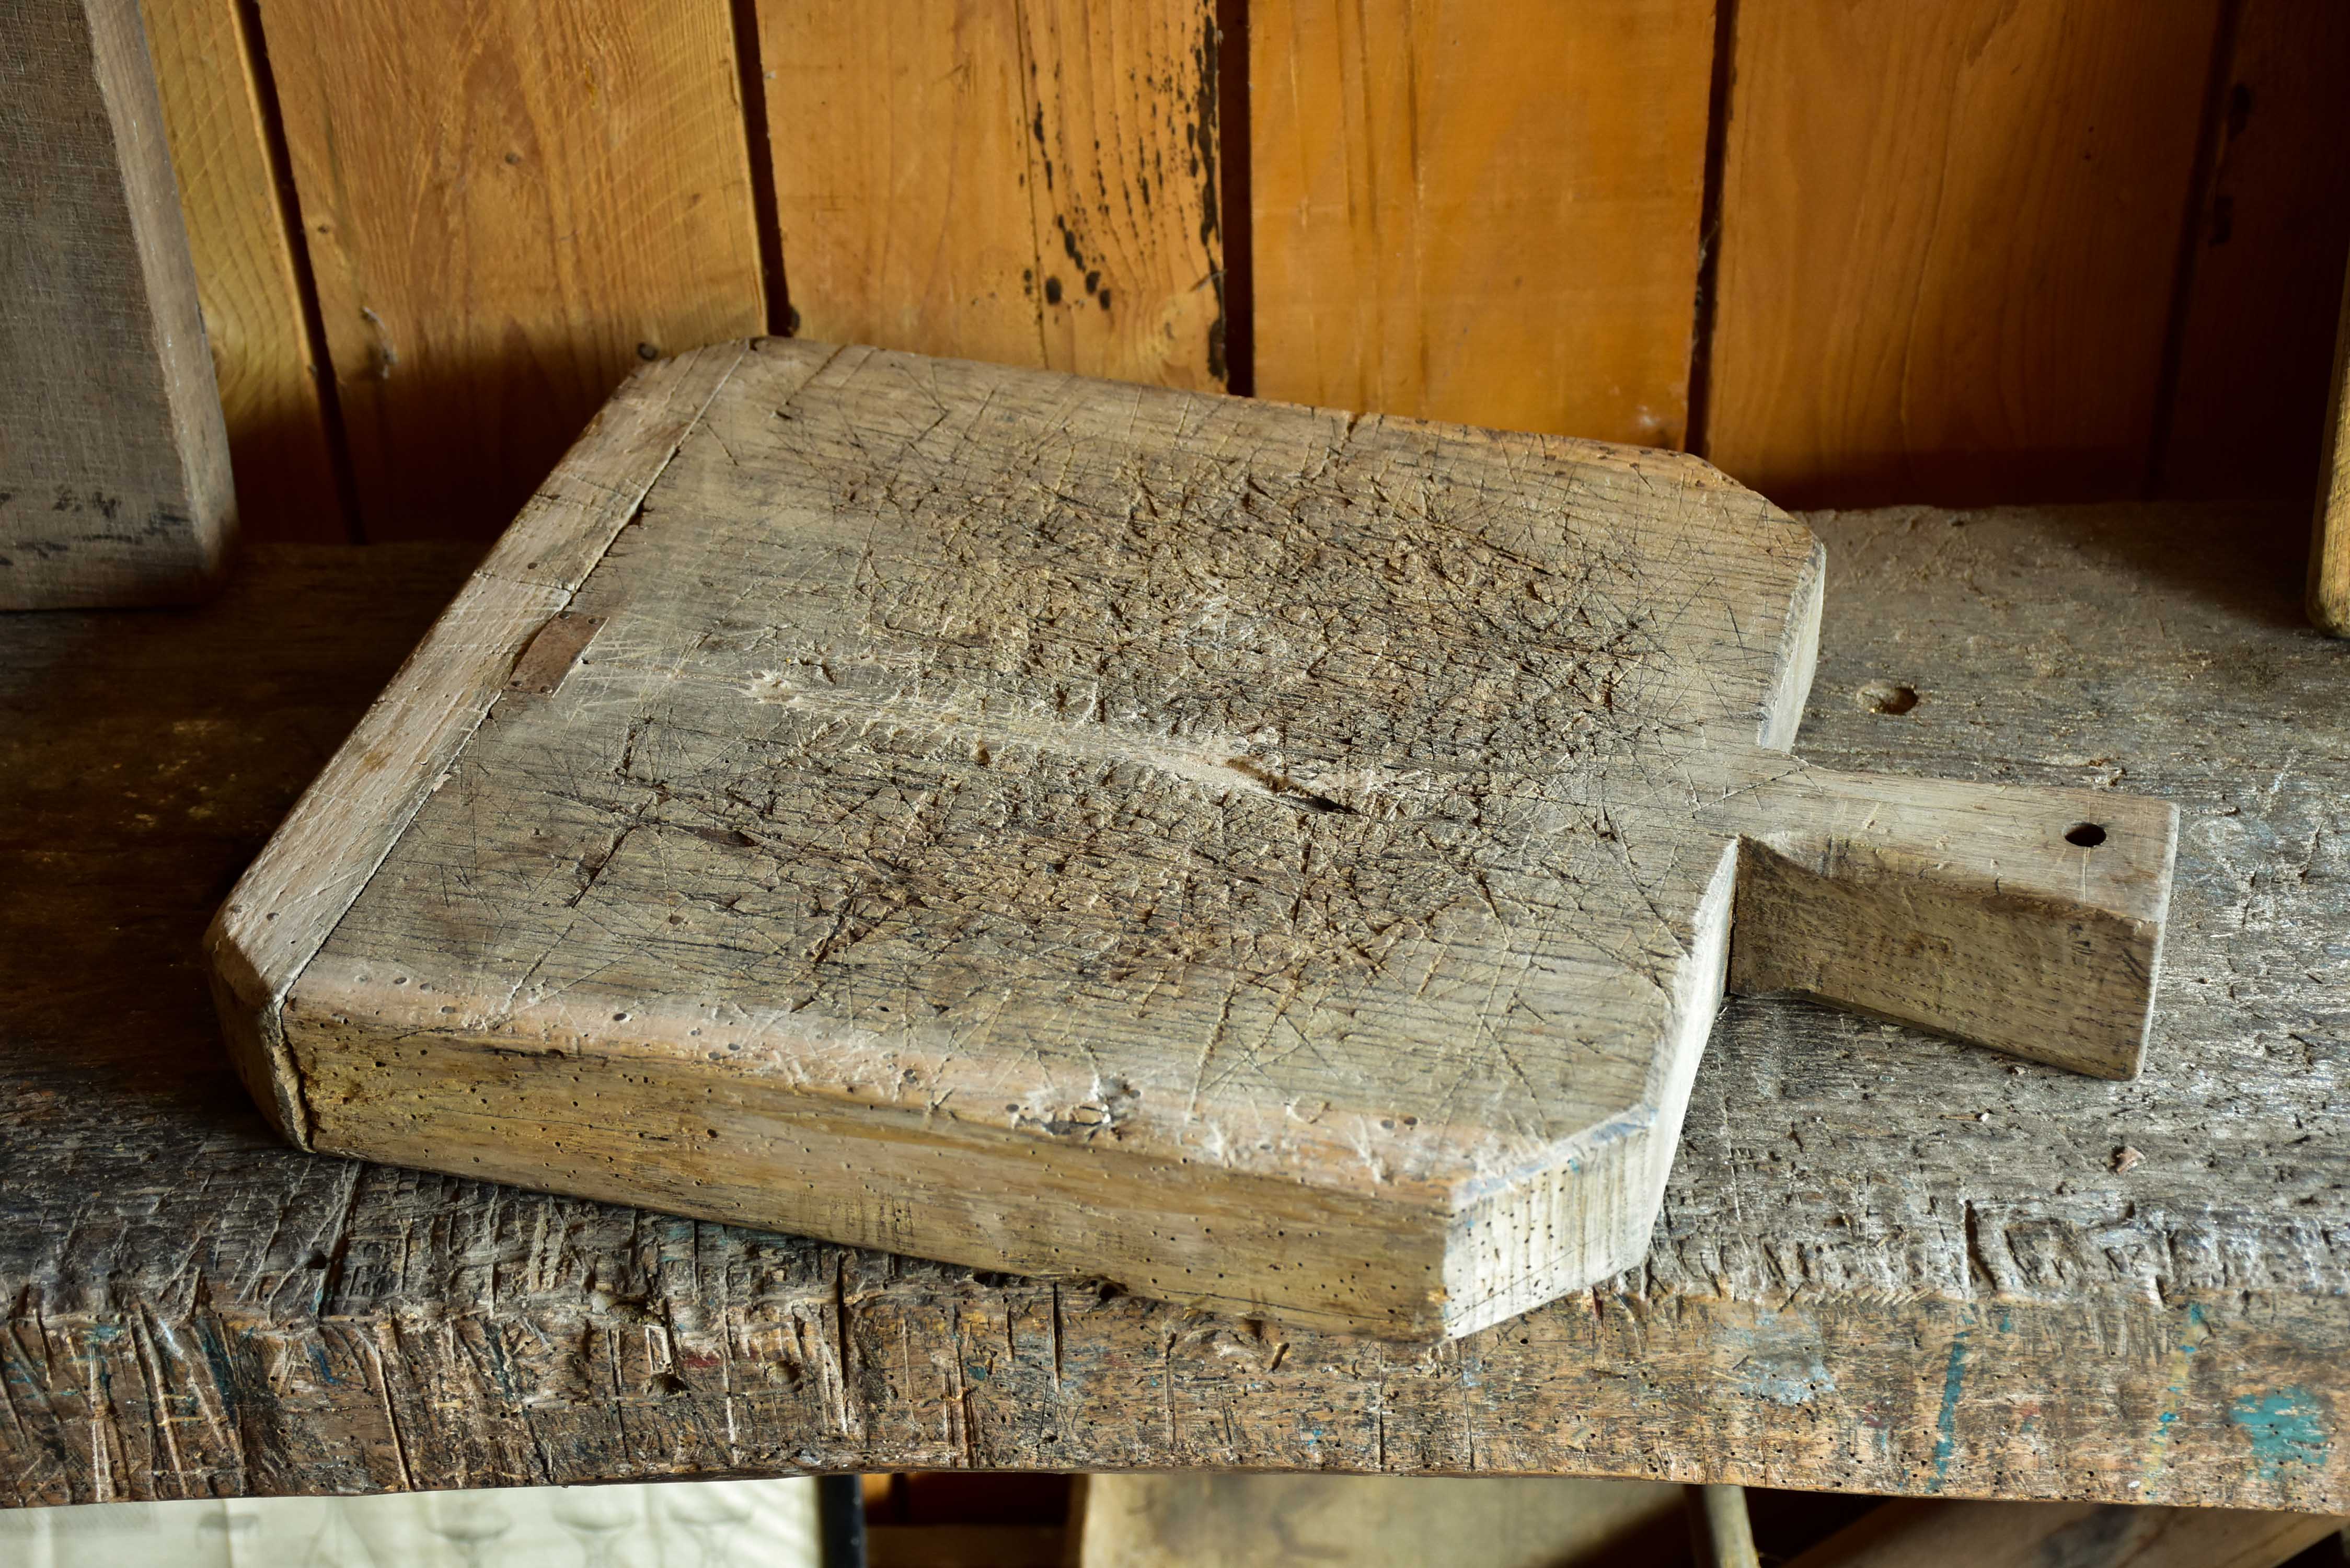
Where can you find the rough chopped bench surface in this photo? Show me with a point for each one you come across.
(1886, 1263)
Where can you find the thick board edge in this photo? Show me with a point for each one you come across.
(1799, 653)
(2157, 914)
(1518, 1243)
(314, 866)
(680, 1136)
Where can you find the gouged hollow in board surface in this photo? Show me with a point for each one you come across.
(1276, 859)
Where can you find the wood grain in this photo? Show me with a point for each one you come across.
(508, 207)
(1480, 213)
(2329, 544)
(1033, 184)
(1267, 1521)
(2075, 1534)
(2271, 238)
(264, 362)
(1947, 243)
(1278, 860)
(114, 469)
(1883, 1264)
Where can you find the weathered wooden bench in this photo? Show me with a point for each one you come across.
(1886, 1262)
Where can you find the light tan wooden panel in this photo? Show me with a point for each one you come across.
(508, 203)
(2269, 246)
(1481, 212)
(1030, 183)
(246, 281)
(1948, 241)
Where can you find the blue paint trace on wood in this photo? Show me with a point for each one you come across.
(1783, 1363)
(1954, 1377)
(2189, 1345)
(2286, 1428)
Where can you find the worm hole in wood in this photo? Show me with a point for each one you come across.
(2087, 835)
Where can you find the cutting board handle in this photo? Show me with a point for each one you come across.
(2030, 920)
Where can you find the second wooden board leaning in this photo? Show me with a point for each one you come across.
(1262, 857)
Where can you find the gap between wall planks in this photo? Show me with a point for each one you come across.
(1481, 213)
(264, 357)
(508, 204)
(2271, 239)
(1032, 183)
(1949, 245)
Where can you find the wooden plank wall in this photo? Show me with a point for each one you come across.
(2268, 243)
(1949, 276)
(508, 204)
(1852, 250)
(1466, 210)
(1032, 183)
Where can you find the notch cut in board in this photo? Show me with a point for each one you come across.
(1271, 858)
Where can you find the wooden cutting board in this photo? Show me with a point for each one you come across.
(1266, 857)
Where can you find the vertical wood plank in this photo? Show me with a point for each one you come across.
(1481, 213)
(2329, 544)
(267, 366)
(508, 203)
(1949, 236)
(1030, 183)
(2271, 242)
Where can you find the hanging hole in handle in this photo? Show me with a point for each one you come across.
(2087, 835)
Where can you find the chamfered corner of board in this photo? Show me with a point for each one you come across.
(1743, 507)
(250, 1011)
(1585, 1220)
(1799, 649)
(1698, 474)
(1586, 1212)
(2154, 916)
